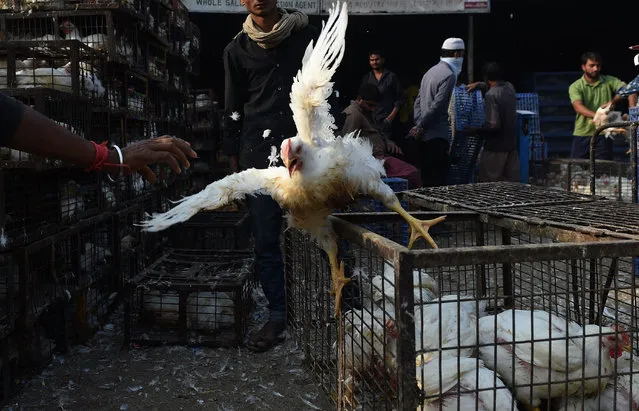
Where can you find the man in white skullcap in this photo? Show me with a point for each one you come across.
(431, 112)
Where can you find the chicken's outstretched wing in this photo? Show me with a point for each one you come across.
(312, 86)
(270, 181)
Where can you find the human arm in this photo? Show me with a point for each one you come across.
(235, 94)
(478, 85)
(492, 122)
(398, 92)
(577, 101)
(34, 133)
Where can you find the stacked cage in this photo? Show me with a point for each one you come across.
(203, 109)
(198, 292)
(68, 239)
(504, 315)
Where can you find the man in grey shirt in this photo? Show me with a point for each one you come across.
(431, 113)
(500, 159)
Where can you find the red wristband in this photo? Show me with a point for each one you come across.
(101, 156)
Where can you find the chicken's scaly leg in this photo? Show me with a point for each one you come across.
(418, 228)
(337, 276)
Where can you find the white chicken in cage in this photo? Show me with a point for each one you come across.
(96, 41)
(621, 394)
(71, 201)
(460, 383)
(205, 310)
(562, 360)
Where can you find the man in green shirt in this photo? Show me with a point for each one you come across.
(591, 91)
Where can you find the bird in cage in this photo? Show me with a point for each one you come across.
(321, 173)
(546, 356)
(460, 383)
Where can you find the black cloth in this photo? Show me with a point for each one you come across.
(434, 162)
(501, 118)
(11, 113)
(257, 87)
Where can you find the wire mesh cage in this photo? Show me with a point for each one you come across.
(80, 195)
(129, 247)
(136, 96)
(212, 231)
(66, 66)
(613, 179)
(156, 62)
(493, 319)
(96, 239)
(193, 36)
(9, 280)
(190, 297)
(68, 111)
(490, 196)
(30, 6)
(29, 207)
(49, 273)
(89, 308)
(158, 20)
(108, 32)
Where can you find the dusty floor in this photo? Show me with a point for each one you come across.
(101, 376)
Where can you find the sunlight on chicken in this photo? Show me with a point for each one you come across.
(418, 228)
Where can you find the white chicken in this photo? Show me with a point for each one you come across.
(605, 115)
(381, 287)
(322, 172)
(561, 351)
(95, 41)
(459, 383)
(622, 394)
(205, 310)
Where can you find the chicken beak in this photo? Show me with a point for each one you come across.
(627, 347)
(291, 161)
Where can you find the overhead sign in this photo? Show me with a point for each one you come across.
(354, 6)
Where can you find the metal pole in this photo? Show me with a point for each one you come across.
(470, 53)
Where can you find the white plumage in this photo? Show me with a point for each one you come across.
(322, 174)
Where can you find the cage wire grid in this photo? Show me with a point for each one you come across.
(478, 267)
(200, 294)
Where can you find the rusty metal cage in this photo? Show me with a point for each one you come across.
(190, 297)
(29, 206)
(490, 196)
(418, 328)
(613, 179)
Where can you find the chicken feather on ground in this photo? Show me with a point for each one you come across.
(322, 172)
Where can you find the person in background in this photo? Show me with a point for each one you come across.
(23, 128)
(431, 113)
(500, 158)
(388, 84)
(358, 118)
(587, 94)
(259, 66)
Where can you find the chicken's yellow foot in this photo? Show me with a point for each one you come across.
(418, 228)
(337, 275)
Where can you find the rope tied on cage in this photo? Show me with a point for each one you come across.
(101, 156)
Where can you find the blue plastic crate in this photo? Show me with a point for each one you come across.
(386, 229)
(538, 148)
(530, 102)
